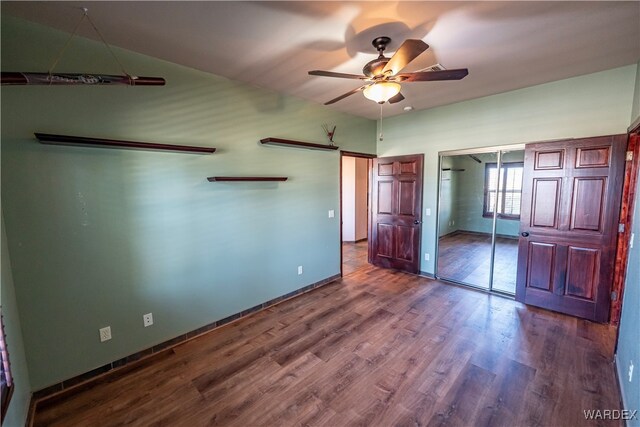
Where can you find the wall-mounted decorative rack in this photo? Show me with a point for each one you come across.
(46, 138)
(300, 144)
(75, 79)
(246, 178)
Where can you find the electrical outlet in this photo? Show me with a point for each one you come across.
(147, 319)
(332, 213)
(299, 270)
(426, 257)
(105, 334)
(630, 370)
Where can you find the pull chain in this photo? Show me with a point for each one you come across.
(381, 134)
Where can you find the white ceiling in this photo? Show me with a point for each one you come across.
(505, 45)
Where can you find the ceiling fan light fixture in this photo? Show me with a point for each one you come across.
(381, 92)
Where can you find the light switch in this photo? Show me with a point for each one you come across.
(427, 212)
(332, 213)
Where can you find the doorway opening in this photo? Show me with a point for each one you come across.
(479, 218)
(355, 171)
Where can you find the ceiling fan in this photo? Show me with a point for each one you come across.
(383, 75)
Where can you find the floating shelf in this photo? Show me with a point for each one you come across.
(246, 178)
(46, 138)
(290, 143)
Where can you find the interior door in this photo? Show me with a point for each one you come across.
(396, 207)
(568, 224)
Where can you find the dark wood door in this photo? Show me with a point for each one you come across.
(568, 225)
(396, 206)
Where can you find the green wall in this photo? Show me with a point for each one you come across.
(448, 191)
(593, 104)
(635, 109)
(19, 405)
(99, 237)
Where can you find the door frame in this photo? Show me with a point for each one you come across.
(631, 175)
(461, 152)
(344, 153)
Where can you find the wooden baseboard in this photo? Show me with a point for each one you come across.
(120, 367)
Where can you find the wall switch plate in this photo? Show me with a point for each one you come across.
(147, 319)
(299, 270)
(332, 213)
(630, 370)
(105, 334)
(427, 212)
(426, 257)
(631, 240)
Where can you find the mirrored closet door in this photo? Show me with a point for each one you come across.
(479, 218)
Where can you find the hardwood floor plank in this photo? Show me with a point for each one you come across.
(461, 402)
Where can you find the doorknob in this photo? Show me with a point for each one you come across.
(524, 234)
(416, 222)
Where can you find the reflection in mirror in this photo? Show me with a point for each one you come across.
(473, 190)
(508, 194)
(464, 244)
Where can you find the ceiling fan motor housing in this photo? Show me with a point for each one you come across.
(375, 67)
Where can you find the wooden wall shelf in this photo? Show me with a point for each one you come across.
(46, 138)
(246, 178)
(300, 144)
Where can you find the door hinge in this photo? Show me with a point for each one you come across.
(621, 228)
(614, 296)
(629, 156)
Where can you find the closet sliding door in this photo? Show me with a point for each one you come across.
(478, 219)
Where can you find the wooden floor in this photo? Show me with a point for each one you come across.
(377, 348)
(466, 257)
(354, 256)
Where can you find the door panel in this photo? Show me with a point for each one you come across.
(549, 159)
(406, 199)
(571, 201)
(385, 197)
(593, 157)
(582, 272)
(384, 240)
(542, 258)
(588, 195)
(546, 202)
(395, 223)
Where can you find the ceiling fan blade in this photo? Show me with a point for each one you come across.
(344, 95)
(429, 76)
(406, 53)
(396, 98)
(338, 75)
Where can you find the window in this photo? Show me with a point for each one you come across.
(6, 382)
(510, 194)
